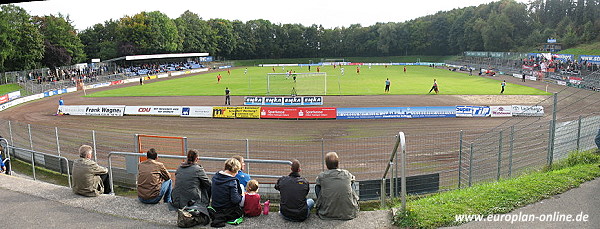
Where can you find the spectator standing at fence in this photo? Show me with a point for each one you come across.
(153, 181)
(227, 98)
(293, 190)
(252, 199)
(192, 183)
(336, 198)
(227, 197)
(89, 178)
(241, 175)
(503, 84)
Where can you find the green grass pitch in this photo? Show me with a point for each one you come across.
(371, 81)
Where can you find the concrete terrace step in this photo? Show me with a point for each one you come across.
(160, 215)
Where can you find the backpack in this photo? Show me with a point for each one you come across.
(191, 216)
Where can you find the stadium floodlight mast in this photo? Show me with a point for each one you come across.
(306, 81)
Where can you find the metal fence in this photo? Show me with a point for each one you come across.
(449, 160)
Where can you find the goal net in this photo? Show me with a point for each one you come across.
(163, 145)
(297, 83)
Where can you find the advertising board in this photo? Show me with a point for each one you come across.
(4, 98)
(153, 110)
(521, 110)
(92, 110)
(299, 112)
(15, 94)
(247, 112)
(500, 111)
(396, 112)
(286, 101)
(197, 112)
(224, 112)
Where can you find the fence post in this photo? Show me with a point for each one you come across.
(578, 132)
(94, 142)
(30, 140)
(460, 157)
(403, 171)
(471, 164)
(10, 133)
(33, 164)
(57, 141)
(247, 155)
(510, 152)
(499, 156)
(323, 155)
(552, 131)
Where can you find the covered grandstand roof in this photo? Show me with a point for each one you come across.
(159, 56)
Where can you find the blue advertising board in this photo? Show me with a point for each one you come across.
(590, 59)
(287, 101)
(472, 111)
(396, 112)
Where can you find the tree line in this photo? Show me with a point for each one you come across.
(51, 40)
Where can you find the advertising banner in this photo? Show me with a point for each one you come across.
(396, 112)
(162, 75)
(299, 112)
(116, 82)
(500, 111)
(590, 59)
(153, 110)
(4, 98)
(472, 111)
(14, 95)
(93, 110)
(197, 112)
(223, 112)
(72, 89)
(247, 112)
(287, 101)
(150, 77)
(520, 110)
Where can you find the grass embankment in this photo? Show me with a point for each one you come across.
(383, 59)
(440, 209)
(583, 49)
(8, 88)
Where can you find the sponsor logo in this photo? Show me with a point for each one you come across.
(144, 109)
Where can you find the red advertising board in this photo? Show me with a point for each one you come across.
(298, 112)
(4, 98)
(116, 82)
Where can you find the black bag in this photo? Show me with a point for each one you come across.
(191, 216)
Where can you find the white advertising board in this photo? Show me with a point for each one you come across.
(92, 110)
(197, 112)
(521, 110)
(14, 95)
(500, 111)
(153, 110)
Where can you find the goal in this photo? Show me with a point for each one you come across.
(297, 83)
(163, 145)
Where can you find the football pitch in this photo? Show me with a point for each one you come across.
(417, 80)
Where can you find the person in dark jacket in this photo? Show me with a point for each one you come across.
(293, 188)
(192, 183)
(227, 196)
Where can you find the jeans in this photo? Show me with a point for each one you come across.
(165, 191)
(309, 202)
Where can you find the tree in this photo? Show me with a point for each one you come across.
(195, 33)
(225, 37)
(60, 33)
(100, 41)
(22, 43)
(148, 33)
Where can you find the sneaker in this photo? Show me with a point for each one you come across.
(237, 221)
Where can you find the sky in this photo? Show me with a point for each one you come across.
(330, 14)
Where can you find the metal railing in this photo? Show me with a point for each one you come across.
(258, 161)
(400, 142)
(34, 153)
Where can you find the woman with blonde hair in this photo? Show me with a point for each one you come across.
(227, 195)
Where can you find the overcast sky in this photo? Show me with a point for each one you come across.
(85, 13)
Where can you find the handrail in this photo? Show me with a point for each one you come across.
(33, 153)
(110, 154)
(400, 141)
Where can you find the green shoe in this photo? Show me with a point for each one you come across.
(236, 221)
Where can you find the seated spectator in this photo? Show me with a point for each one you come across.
(227, 196)
(241, 175)
(192, 183)
(252, 199)
(293, 190)
(4, 163)
(89, 178)
(335, 197)
(153, 181)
